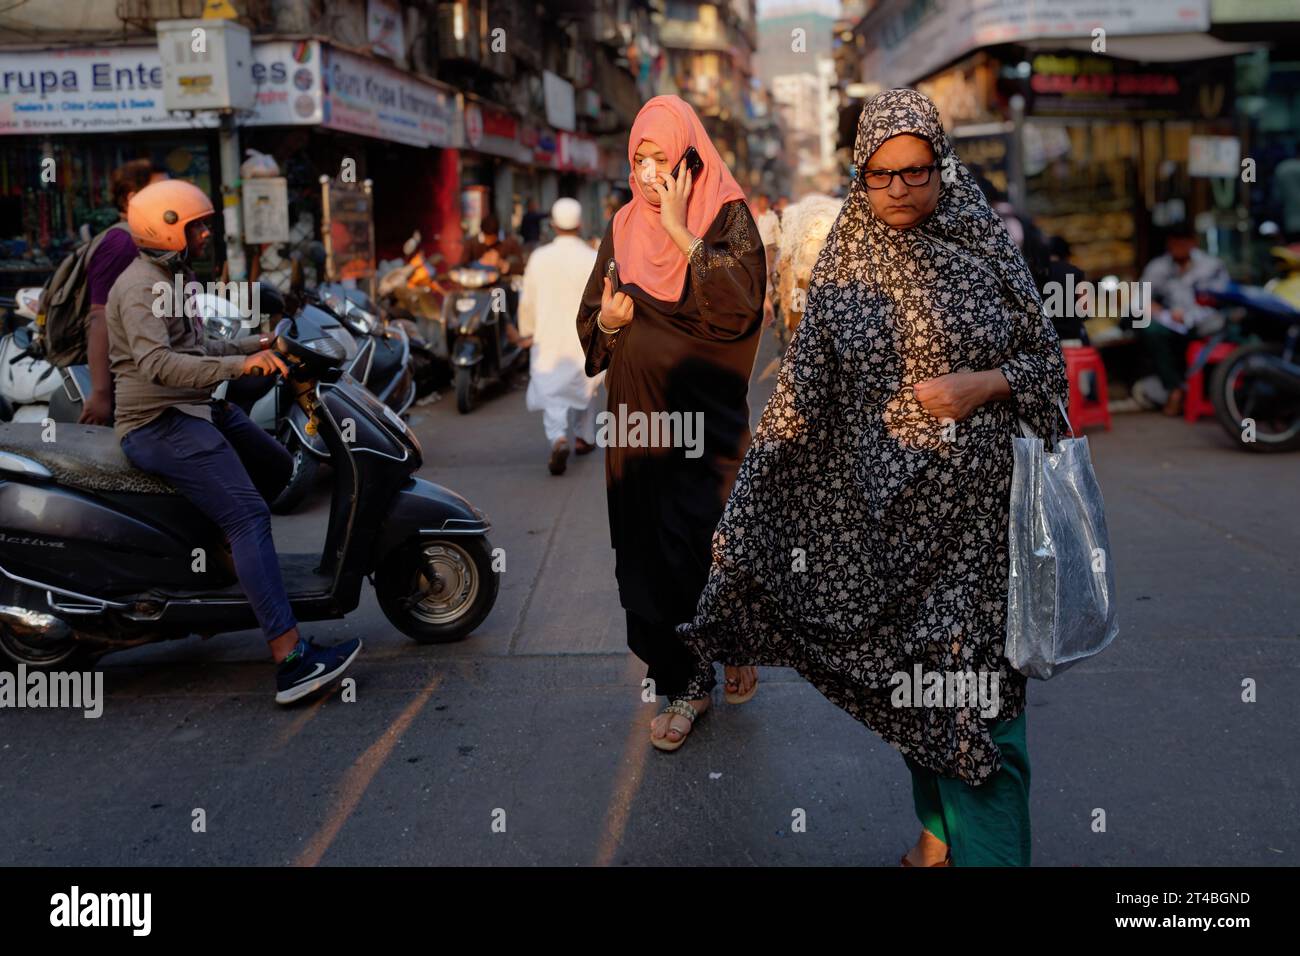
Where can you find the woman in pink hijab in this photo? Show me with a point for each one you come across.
(677, 337)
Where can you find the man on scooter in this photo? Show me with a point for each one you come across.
(165, 367)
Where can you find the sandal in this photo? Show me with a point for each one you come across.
(732, 697)
(680, 708)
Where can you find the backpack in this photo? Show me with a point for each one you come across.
(63, 306)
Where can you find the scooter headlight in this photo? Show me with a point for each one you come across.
(328, 347)
(368, 321)
(473, 278)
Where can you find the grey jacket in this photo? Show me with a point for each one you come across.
(158, 363)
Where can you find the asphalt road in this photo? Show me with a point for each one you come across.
(526, 743)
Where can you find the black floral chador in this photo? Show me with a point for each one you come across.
(863, 536)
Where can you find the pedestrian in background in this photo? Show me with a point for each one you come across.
(678, 337)
(558, 385)
(1177, 316)
(866, 537)
(114, 251)
(769, 230)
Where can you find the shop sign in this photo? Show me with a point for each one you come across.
(116, 89)
(348, 229)
(473, 125)
(495, 132)
(384, 29)
(266, 209)
(369, 98)
(579, 153)
(1252, 11)
(558, 93)
(546, 152)
(1011, 21)
(911, 39)
(1210, 156)
(1073, 84)
(500, 124)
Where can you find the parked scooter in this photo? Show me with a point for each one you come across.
(478, 319)
(31, 389)
(386, 365)
(377, 357)
(1256, 389)
(269, 402)
(99, 556)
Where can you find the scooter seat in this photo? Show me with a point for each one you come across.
(88, 457)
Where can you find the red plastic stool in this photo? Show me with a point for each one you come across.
(1083, 411)
(1195, 404)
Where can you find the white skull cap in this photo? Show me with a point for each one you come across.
(566, 213)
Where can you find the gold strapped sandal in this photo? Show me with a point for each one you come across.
(735, 697)
(680, 708)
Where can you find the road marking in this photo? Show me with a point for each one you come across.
(299, 721)
(359, 775)
(630, 771)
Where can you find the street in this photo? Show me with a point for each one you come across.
(526, 743)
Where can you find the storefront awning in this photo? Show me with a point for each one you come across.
(1159, 48)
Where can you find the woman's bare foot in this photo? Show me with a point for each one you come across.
(675, 727)
(740, 681)
(928, 851)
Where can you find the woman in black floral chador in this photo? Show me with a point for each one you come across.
(866, 536)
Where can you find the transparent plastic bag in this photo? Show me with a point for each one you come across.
(1061, 593)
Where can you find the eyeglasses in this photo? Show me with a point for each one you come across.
(911, 176)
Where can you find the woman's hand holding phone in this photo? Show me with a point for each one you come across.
(673, 197)
(615, 307)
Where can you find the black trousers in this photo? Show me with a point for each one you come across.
(670, 664)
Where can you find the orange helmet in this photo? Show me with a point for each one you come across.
(158, 214)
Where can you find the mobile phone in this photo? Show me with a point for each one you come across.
(693, 162)
(611, 273)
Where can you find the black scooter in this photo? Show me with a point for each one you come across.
(96, 556)
(1256, 389)
(475, 317)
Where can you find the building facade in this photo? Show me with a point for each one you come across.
(1107, 130)
(452, 109)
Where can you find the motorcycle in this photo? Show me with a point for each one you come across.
(477, 321)
(99, 556)
(1256, 389)
(31, 389)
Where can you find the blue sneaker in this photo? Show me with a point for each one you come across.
(308, 668)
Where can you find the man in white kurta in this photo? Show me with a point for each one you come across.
(558, 387)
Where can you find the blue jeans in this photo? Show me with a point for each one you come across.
(228, 469)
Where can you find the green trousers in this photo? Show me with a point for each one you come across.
(986, 825)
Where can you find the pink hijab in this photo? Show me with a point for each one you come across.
(646, 256)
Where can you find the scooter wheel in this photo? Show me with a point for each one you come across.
(438, 590)
(70, 655)
(464, 390)
(1238, 397)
